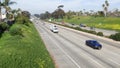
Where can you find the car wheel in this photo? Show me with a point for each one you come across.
(99, 48)
(86, 44)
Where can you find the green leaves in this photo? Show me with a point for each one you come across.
(115, 37)
(16, 30)
(8, 2)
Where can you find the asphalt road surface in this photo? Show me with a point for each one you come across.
(68, 48)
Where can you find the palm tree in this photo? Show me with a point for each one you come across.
(1, 5)
(60, 6)
(9, 14)
(59, 13)
(105, 7)
(7, 3)
(106, 2)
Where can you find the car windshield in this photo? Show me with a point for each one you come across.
(55, 28)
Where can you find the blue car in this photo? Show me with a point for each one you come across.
(94, 44)
(83, 25)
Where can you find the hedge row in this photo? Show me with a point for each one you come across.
(113, 36)
(88, 31)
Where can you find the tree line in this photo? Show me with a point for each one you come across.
(59, 13)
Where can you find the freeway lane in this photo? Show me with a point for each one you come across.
(68, 49)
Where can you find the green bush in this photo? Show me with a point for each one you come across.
(16, 30)
(21, 19)
(85, 30)
(115, 36)
(88, 31)
(100, 33)
(4, 26)
(92, 32)
(77, 28)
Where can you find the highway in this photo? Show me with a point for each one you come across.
(68, 49)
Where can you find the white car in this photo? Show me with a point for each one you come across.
(54, 28)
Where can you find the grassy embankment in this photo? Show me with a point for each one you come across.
(27, 51)
(112, 23)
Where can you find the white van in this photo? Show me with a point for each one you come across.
(54, 28)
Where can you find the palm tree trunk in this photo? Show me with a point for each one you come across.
(0, 15)
(0, 12)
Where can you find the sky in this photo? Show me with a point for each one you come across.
(40, 6)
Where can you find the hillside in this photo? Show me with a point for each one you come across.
(23, 51)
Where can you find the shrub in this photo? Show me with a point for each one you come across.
(85, 30)
(77, 28)
(4, 26)
(100, 33)
(10, 23)
(16, 30)
(115, 36)
(21, 19)
(92, 32)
